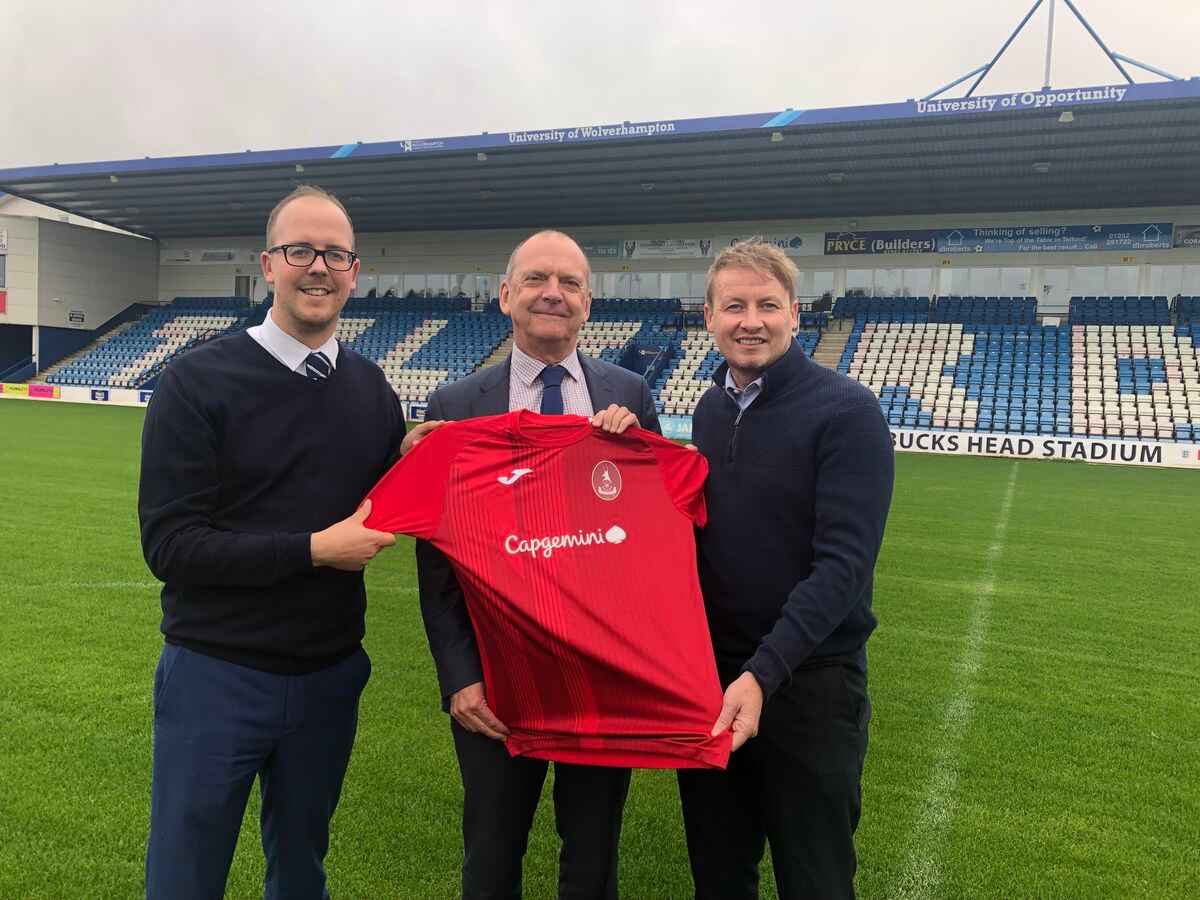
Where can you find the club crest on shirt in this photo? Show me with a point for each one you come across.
(606, 480)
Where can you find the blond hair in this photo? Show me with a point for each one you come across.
(305, 190)
(756, 254)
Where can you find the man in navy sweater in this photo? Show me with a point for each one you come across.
(800, 480)
(256, 451)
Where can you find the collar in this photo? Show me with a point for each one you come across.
(526, 369)
(784, 370)
(290, 351)
(743, 397)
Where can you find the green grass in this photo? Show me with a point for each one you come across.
(1036, 729)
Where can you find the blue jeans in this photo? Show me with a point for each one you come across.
(217, 726)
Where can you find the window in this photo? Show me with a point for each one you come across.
(1089, 281)
(365, 285)
(414, 286)
(677, 284)
(1014, 283)
(956, 282)
(388, 285)
(699, 284)
(1121, 281)
(485, 286)
(1191, 280)
(860, 282)
(643, 284)
(1166, 281)
(985, 282)
(822, 285)
(437, 285)
(918, 282)
(889, 282)
(2, 266)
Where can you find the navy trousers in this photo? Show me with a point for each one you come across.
(217, 726)
(796, 785)
(500, 797)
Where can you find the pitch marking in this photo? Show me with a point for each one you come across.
(922, 869)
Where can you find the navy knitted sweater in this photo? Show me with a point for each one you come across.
(798, 492)
(242, 460)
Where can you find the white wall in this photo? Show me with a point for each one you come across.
(88, 270)
(21, 277)
(487, 251)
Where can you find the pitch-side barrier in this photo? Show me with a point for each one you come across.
(1157, 454)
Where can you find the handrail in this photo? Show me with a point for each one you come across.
(201, 338)
(23, 364)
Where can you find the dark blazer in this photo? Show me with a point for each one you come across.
(485, 393)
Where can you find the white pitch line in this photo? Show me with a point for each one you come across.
(113, 585)
(922, 875)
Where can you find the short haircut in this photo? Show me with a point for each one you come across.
(305, 190)
(765, 259)
(587, 266)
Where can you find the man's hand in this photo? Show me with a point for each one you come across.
(741, 709)
(414, 437)
(470, 710)
(615, 419)
(349, 545)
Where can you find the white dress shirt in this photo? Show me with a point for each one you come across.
(743, 397)
(525, 384)
(287, 349)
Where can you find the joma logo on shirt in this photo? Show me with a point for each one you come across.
(516, 473)
(547, 545)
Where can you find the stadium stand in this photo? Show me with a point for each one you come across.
(985, 310)
(132, 355)
(1119, 311)
(1187, 309)
(421, 344)
(1119, 369)
(679, 387)
(881, 309)
(1114, 379)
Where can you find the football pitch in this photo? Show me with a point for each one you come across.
(1035, 680)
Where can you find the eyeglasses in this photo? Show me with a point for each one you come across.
(303, 255)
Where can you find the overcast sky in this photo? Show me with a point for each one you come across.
(84, 80)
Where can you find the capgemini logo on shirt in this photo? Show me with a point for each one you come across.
(547, 545)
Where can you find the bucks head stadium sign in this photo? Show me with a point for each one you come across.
(1032, 446)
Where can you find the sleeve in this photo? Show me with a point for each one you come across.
(855, 468)
(178, 493)
(448, 625)
(410, 497)
(683, 473)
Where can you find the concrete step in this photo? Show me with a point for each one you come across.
(499, 354)
(829, 349)
(112, 332)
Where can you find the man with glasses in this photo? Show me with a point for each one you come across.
(257, 449)
(546, 294)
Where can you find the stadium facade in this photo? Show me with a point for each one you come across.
(1019, 265)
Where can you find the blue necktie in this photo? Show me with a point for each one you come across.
(317, 367)
(552, 399)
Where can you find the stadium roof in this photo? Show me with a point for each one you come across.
(1127, 146)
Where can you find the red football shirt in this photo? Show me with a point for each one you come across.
(575, 552)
